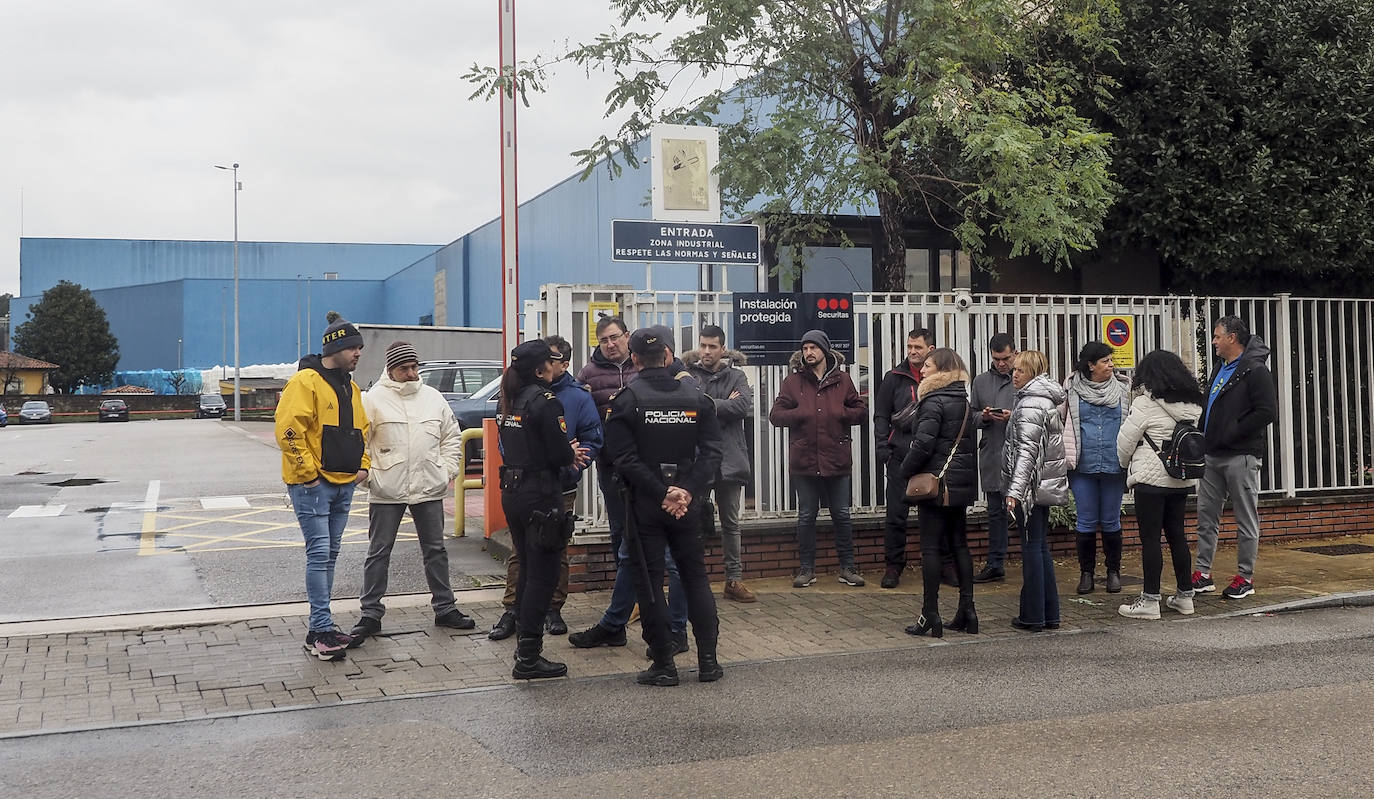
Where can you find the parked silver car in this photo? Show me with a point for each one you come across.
(35, 412)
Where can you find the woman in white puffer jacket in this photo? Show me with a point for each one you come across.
(1169, 394)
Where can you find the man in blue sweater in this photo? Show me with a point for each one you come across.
(1241, 403)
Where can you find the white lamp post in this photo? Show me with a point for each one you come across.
(238, 415)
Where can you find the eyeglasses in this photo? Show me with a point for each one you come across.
(611, 339)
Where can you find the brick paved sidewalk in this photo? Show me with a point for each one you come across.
(92, 678)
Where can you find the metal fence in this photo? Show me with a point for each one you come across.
(1321, 357)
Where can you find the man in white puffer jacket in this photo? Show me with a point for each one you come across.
(415, 449)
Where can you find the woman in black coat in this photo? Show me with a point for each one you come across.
(938, 446)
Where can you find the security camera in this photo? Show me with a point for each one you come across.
(963, 300)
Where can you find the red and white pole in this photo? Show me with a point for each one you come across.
(510, 207)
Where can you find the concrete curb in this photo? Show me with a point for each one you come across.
(1349, 599)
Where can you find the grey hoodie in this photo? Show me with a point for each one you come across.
(1034, 466)
(731, 413)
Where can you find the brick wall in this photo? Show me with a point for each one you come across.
(770, 549)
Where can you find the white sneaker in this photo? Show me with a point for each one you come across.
(1142, 608)
(1182, 604)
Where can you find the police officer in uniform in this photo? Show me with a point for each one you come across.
(534, 444)
(663, 437)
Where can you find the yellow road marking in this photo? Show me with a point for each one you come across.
(205, 541)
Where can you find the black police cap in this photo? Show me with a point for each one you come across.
(647, 340)
(527, 357)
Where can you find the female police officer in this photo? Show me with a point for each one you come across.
(534, 445)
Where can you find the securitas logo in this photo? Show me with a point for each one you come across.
(670, 417)
(832, 308)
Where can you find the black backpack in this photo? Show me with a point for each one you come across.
(1184, 454)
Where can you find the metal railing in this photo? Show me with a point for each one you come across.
(462, 483)
(1322, 354)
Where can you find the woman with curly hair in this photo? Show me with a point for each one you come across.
(1169, 394)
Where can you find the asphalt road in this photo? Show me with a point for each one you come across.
(1259, 706)
(110, 518)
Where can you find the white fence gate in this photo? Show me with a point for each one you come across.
(1322, 357)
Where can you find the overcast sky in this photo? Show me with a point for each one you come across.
(349, 119)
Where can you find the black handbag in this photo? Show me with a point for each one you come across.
(925, 486)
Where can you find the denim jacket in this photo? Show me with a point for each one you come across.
(1098, 428)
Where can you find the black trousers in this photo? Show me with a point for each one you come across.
(539, 568)
(895, 522)
(1162, 509)
(658, 532)
(943, 530)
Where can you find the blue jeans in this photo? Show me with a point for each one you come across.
(997, 529)
(835, 490)
(1039, 593)
(1098, 499)
(617, 614)
(322, 510)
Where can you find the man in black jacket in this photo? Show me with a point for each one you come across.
(662, 435)
(1241, 403)
(897, 391)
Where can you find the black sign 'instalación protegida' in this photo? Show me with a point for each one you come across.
(684, 242)
(769, 327)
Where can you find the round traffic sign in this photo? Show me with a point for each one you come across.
(1118, 332)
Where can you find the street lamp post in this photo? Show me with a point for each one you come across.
(298, 316)
(238, 414)
(308, 317)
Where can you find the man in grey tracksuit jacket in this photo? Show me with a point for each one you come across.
(714, 367)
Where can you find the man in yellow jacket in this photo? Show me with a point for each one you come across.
(322, 432)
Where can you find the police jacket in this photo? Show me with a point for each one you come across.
(533, 434)
(321, 426)
(1244, 405)
(731, 413)
(661, 420)
(897, 391)
(939, 418)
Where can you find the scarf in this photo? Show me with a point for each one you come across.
(1108, 392)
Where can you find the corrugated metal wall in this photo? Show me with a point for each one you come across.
(110, 263)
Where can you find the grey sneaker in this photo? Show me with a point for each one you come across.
(1182, 604)
(1142, 608)
(804, 578)
(851, 576)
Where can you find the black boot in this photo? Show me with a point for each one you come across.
(504, 627)
(708, 668)
(1085, 583)
(928, 624)
(966, 619)
(1113, 581)
(663, 672)
(529, 665)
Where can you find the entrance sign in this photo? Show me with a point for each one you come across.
(1118, 332)
(638, 241)
(769, 326)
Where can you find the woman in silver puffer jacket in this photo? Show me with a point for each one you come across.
(1036, 471)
